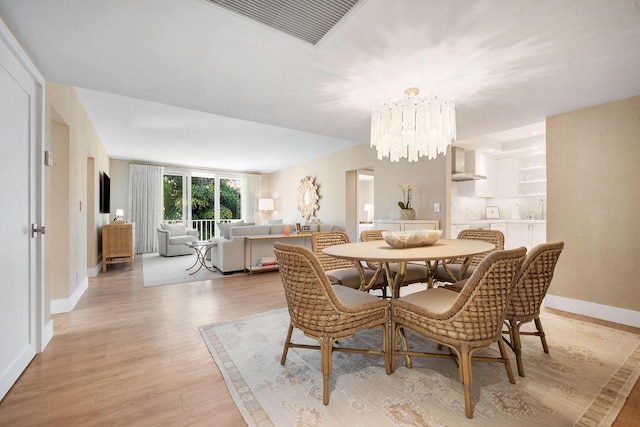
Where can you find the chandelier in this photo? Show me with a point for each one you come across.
(413, 126)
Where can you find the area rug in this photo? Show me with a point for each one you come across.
(584, 380)
(158, 270)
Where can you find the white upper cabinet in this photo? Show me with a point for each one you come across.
(532, 175)
(506, 177)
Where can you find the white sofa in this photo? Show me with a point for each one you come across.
(172, 239)
(228, 255)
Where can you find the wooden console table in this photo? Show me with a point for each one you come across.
(117, 244)
(248, 241)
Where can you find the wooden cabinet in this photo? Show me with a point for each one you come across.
(527, 234)
(404, 225)
(117, 244)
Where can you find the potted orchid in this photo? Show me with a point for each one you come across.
(405, 204)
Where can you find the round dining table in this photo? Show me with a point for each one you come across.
(379, 251)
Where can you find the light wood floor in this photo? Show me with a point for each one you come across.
(129, 355)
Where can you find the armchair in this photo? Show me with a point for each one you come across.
(172, 239)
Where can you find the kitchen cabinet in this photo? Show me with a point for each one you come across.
(405, 225)
(525, 233)
(506, 177)
(480, 164)
(532, 175)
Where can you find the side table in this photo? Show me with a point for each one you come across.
(201, 248)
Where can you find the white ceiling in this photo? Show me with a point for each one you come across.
(186, 83)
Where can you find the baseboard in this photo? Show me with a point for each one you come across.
(47, 334)
(590, 309)
(65, 305)
(93, 272)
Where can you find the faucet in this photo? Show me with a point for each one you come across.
(541, 208)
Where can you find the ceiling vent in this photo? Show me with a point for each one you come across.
(308, 21)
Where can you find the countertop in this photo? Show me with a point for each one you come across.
(496, 221)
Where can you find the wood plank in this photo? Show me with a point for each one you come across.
(129, 355)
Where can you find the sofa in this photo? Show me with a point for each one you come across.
(228, 255)
(172, 239)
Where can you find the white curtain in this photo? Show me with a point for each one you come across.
(251, 184)
(145, 188)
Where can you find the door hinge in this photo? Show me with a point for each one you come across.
(35, 229)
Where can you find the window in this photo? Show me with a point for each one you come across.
(201, 198)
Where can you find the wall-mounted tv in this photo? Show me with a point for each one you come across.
(105, 193)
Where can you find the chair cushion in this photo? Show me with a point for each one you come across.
(351, 278)
(181, 240)
(442, 276)
(175, 229)
(352, 297)
(436, 299)
(415, 273)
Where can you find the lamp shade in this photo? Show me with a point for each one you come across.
(368, 207)
(265, 205)
(119, 213)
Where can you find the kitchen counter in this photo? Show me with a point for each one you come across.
(496, 221)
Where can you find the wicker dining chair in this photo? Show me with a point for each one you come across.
(324, 312)
(530, 289)
(416, 273)
(465, 322)
(455, 266)
(342, 271)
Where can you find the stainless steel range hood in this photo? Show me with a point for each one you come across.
(461, 168)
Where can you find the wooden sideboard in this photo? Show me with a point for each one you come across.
(117, 244)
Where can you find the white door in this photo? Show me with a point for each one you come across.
(20, 202)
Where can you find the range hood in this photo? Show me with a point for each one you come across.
(463, 169)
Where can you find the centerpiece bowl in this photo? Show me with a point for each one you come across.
(412, 238)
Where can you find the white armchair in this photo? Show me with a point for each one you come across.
(172, 239)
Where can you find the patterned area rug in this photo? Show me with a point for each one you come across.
(158, 270)
(584, 380)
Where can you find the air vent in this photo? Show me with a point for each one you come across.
(308, 21)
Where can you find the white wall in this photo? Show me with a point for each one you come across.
(427, 176)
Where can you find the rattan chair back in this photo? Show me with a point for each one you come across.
(491, 236)
(316, 309)
(473, 321)
(530, 288)
(534, 281)
(324, 239)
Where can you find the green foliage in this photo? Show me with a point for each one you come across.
(203, 194)
(172, 189)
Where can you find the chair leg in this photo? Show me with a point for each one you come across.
(541, 334)
(325, 351)
(385, 348)
(286, 344)
(516, 344)
(505, 360)
(467, 381)
(394, 345)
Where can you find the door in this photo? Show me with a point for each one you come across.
(20, 198)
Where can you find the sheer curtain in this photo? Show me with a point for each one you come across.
(145, 188)
(250, 194)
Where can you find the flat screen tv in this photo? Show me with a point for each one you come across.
(105, 193)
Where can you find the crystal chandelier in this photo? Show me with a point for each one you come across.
(413, 127)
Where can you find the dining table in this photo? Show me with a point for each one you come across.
(378, 251)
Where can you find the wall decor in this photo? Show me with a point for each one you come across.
(492, 212)
(308, 197)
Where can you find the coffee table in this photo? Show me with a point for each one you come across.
(201, 248)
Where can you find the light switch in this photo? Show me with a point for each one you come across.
(436, 207)
(48, 158)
